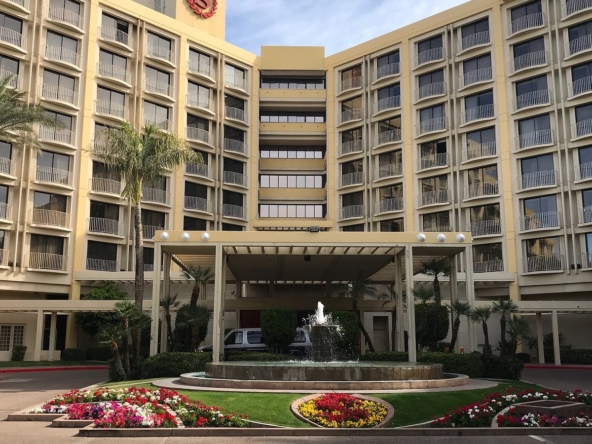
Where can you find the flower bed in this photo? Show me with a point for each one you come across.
(481, 414)
(521, 417)
(338, 410)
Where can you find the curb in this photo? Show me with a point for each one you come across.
(53, 369)
(558, 367)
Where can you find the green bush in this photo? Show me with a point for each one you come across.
(347, 340)
(576, 356)
(386, 356)
(92, 322)
(523, 357)
(467, 364)
(187, 316)
(174, 364)
(278, 328)
(99, 353)
(442, 346)
(426, 316)
(73, 354)
(507, 367)
(18, 353)
(259, 357)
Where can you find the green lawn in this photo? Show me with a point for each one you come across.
(5, 364)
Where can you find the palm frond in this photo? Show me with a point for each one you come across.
(481, 314)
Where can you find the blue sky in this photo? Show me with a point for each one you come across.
(335, 24)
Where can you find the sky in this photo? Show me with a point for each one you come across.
(335, 24)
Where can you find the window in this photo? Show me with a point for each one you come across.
(193, 224)
(535, 131)
(278, 152)
(232, 198)
(352, 104)
(233, 133)
(476, 70)
(472, 34)
(198, 95)
(483, 180)
(433, 154)
(51, 202)
(196, 190)
(390, 158)
(431, 77)
(4, 202)
(357, 227)
(110, 102)
(148, 259)
(292, 211)
(485, 213)
(235, 77)
(527, 15)
(587, 206)
(234, 338)
(64, 120)
(430, 44)
(47, 244)
(391, 192)
(159, 46)
(390, 92)
(234, 166)
(387, 64)
(62, 48)
(198, 122)
(9, 67)
(543, 254)
(584, 114)
(585, 162)
(199, 62)
(232, 227)
(540, 212)
(577, 36)
(291, 117)
(352, 199)
(5, 158)
(488, 258)
(352, 135)
(478, 106)
(101, 256)
(589, 249)
(581, 77)
(529, 53)
(434, 190)
(11, 336)
(65, 10)
(254, 337)
(53, 167)
(112, 65)
(292, 83)
(351, 78)
(101, 171)
(430, 84)
(538, 171)
(12, 29)
(115, 29)
(432, 119)
(439, 221)
(156, 114)
(355, 166)
(532, 92)
(158, 81)
(481, 143)
(102, 210)
(393, 225)
(291, 181)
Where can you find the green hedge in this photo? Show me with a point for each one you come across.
(506, 367)
(18, 353)
(386, 356)
(467, 364)
(174, 364)
(98, 353)
(256, 356)
(73, 354)
(570, 356)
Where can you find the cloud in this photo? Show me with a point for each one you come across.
(334, 24)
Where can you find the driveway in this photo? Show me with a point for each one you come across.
(560, 378)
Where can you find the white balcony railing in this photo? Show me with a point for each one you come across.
(581, 128)
(148, 231)
(479, 150)
(198, 101)
(46, 261)
(585, 215)
(199, 134)
(491, 266)
(159, 52)
(580, 86)
(198, 204)
(481, 189)
(527, 22)
(437, 228)
(387, 70)
(200, 67)
(235, 113)
(489, 227)
(346, 180)
(234, 211)
(540, 221)
(350, 114)
(530, 60)
(431, 125)
(155, 195)
(390, 205)
(199, 169)
(7, 166)
(353, 146)
(59, 94)
(105, 226)
(431, 55)
(537, 179)
(236, 82)
(387, 103)
(233, 178)
(534, 138)
(538, 264)
(111, 109)
(50, 218)
(472, 40)
(163, 124)
(14, 82)
(64, 55)
(391, 170)
(583, 171)
(534, 98)
(235, 146)
(477, 113)
(157, 87)
(5, 211)
(64, 15)
(586, 260)
(113, 72)
(4, 257)
(53, 176)
(434, 161)
(115, 35)
(105, 186)
(391, 136)
(101, 265)
(430, 90)
(351, 212)
(350, 83)
(475, 76)
(578, 45)
(435, 198)
(11, 37)
(570, 7)
(22, 3)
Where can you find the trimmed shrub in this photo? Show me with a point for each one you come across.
(386, 356)
(18, 353)
(468, 364)
(184, 324)
(174, 364)
(99, 353)
(506, 367)
(259, 357)
(426, 317)
(523, 357)
(73, 354)
(349, 323)
(442, 346)
(278, 328)
(576, 356)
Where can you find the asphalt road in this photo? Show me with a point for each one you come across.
(564, 379)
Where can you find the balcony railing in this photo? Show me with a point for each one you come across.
(580, 86)
(581, 128)
(351, 179)
(105, 186)
(4, 257)
(583, 171)
(46, 261)
(160, 52)
(351, 212)
(65, 16)
(111, 109)
(198, 204)
(59, 93)
(157, 87)
(53, 176)
(164, 125)
(481, 189)
(586, 260)
(536, 264)
(235, 113)
(200, 67)
(526, 22)
(199, 134)
(488, 266)
(475, 76)
(531, 60)
(534, 138)
(155, 195)
(56, 135)
(430, 90)
(235, 146)
(431, 125)
(105, 226)
(233, 178)
(391, 136)
(234, 211)
(540, 221)
(236, 83)
(534, 98)
(353, 146)
(390, 205)
(477, 113)
(5, 211)
(434, 161)
(64, 55)
(585, 214)
(391, 170)
(435, 198)
(478, 151)
(387, 103)
(485, 227)
(101, 265)
(11, 37)
(350, 83)
(387, 70)
(22, 3)
(50, 218)
(578, 45)
(113, 72)
(14, 82)
(199, 169)
(437, 228)
(115, 35)
(537, 179)
(570, 7)
(148, 231)
(470, 41)
(431, 55)
(350, 115)
(198, 101)
(7, 166)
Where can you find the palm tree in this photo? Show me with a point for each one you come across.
(167, 303)
(357, 288)
(110, 335)
(125, 310)
(436, 268)
(460, 309)
(200, 277)
(504, 308)
(482, 314)
(141, 159)
(18, 119)
(423, 294)
(519, 331)
(197, 319)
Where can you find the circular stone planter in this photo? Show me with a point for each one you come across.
(390, 411)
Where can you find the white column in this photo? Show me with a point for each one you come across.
(52, 335)
(556, 349)
(540, 337)
(453, 295)
(400, 315)
(38, 336)
(412, 343)
(470, 287)
(218, 326)
(155, 300)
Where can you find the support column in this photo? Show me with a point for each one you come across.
(218, 318)
(540, 337)
(400, 315)
(38, 336)
(453, 296)
(155, 300)
(166, 292)
(52, 335)
(470, 288)
(556, 349)
(412, 343)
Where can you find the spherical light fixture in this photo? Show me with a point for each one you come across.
(421, 237)
(460, 237)
(205, 237)
(185, 237)
(441, 237)
(164, 236)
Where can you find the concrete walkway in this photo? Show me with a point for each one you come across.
(559, 378)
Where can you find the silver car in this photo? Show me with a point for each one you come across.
(250, 339)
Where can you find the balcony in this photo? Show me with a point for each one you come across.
(386, 137)
(351, 147)
(481, 189)
(155, 195)
(22, 5)
(477, 113)
(527, 61)
(571, 7)
(439, 197)
(474, 77)
(232, 178)
(431, 55)
(581, 129)
(193, 203)
(101, 265)
(59, 94)
(105, 186)
(439, 160)
(154, 86)
(13, 38)
(5, 212)
(199, 169)
(236, 83)
(525, 23)
(351, 83)
(236, 146)
(4, 258)
(105, 226)
(14, 82)
(351, 212)
(585, 215)
(49, 218)
(437, 229)
(431, 90)
(532, 99)
(111, 109)
(350, 115)
(53, 176)
(235, 114)
(386, 171)
(199, 67)
(473, 40)
(390, 205)
(160, 52)
(579, 87)
(114, 35)
(479, 151)
(541, 221)
(387, 103)
(61, 136)
(534, 139)
(234, 211)
(587, 260)
(539, 179)
(542, 264)
(431, 126)
(351, 179)
(197, 101)
(148, 231)
(392, 69)
(46, 261)
(578, 46)
(199, 135)
(62, 55)
(583, 171)
(165, 125)
(490, 227)
(491, 266)
(7, 167)
(65, 16)
(114, 72)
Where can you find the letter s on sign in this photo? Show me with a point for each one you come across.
(204, 4)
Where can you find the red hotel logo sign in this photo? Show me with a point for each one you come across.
(204, 8)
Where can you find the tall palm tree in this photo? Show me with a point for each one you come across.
(504, 308)
(436, 268)
(519, 330)
(197, 319)
(168, 303)
(141, 158)
(125, 310)
(200, 277)
(460, 309)
(110, 335)
(423, 294)
(358, 288)
(482, 315)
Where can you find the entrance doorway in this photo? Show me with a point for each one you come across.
(380, 337)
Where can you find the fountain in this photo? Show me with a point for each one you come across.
(322, 331)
